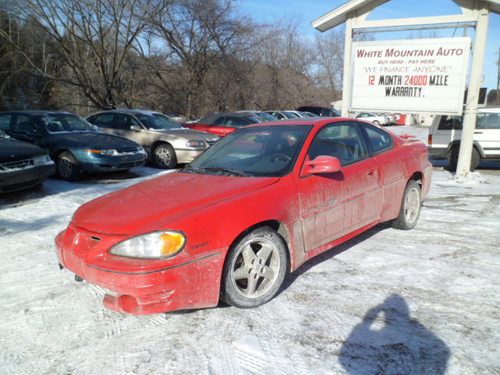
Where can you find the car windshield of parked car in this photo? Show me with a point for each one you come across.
(157, 121)
(256, 151)
(290, 114)
(63, 123)
(266, 116)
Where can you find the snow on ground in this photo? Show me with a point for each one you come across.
(389, 301)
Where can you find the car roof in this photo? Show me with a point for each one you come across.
(132, 111)
(304, 121)
(37, 112)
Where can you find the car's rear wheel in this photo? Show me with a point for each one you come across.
(453, 159)
(67, 167)
(255, 269)
(410, 207)
(375, 122)
(164, 156)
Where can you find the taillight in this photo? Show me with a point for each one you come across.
(429, 140)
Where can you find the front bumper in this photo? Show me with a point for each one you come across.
(25, 178)
(187, 155)
(189, 284)
(101, 163)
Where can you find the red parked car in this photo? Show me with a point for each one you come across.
(223, 124)
(254, 206)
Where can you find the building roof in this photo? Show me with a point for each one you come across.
(339, 15)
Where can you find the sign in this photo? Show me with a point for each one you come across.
(410, 76)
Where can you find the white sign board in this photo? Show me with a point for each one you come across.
(410, 76)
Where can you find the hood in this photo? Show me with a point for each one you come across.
(13, 150)
(93, 140)
(153, 204)
(187, 134)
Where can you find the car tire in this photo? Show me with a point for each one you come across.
(376, 122)
(67, 167)
(254, 269)
(453, 159)
(164, 156)
(410, 207)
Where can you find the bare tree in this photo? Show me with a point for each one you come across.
(93, 40)
(195, 35)
(330, 62)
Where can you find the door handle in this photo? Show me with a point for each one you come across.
(371, 172)
(478, 132)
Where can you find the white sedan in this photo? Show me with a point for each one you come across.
(374, 118)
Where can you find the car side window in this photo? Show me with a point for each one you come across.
(24, 124)
(5, 122)
(341, 140)
(218, 121)
(235, 121)
(450, 123)
(104, 120)
(485, 121)
(123, 121)
(377, 139)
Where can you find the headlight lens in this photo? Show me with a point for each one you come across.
(195, 144)
(155, 245)
(42, 159)
(109, 152)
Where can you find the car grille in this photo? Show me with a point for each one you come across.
(19, 164)
(127, 150)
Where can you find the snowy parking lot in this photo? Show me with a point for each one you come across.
(424, 301)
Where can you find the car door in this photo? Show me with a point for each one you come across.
(25, 129)
(487, 133)
(391, 166)
(104, 121)
(333, 205)
(122, 126)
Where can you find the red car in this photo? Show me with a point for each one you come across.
(256, 205)
(222, 124)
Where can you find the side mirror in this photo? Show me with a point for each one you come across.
(135, 128)
(322, 164)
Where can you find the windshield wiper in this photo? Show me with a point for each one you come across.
(220, 170)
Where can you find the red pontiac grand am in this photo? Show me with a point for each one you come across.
(256, 205)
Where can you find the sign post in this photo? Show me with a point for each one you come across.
(469, 122)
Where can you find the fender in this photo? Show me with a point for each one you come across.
(456, 142)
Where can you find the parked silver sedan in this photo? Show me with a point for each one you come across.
(166, 141)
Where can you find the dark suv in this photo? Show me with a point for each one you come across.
(320, 111)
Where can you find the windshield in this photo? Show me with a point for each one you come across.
(290, 114)
(157, 121)
(63, 122)
(266, 116)
(256, 151)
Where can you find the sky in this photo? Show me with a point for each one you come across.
(305, 11)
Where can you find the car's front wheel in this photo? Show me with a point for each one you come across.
(164, 156)
(410, 207)
(67, 166)
(255, 269)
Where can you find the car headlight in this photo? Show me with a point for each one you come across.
(155, 245)
(109, 152)
(195, 144)
(42, 160)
